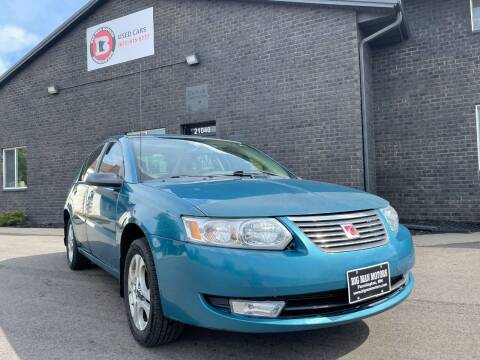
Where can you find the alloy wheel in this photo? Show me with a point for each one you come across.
(70, 243)
(138, 292)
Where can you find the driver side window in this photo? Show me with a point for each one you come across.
(91, 164)
(112, 160)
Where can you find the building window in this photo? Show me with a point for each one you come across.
(15, 168)
(475, 10)
(478, 135)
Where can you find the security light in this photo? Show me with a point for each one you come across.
(52, 90)
(192, 60)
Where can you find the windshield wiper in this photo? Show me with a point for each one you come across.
(268, 173)
(241, 173)
(186, 176)
(237, 173)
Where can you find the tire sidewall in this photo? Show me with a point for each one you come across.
(141, 248)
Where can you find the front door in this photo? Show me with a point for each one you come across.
(101, 209)
(80, 193)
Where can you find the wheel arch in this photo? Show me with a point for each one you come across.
(130, 233)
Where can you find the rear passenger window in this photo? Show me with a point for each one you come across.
(91, 164)
(112, 160)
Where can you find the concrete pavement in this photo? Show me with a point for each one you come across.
(50, 312)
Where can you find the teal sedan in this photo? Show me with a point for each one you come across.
(217, 234)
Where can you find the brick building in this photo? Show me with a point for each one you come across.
(376, 94)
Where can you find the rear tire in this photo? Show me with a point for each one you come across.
(142, 299)
(76, 261)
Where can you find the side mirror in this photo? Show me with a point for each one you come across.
(104, 179)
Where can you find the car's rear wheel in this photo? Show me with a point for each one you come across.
(76, 261)
(142, 299)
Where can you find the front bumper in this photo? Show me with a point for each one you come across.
(259, 325)
(186, 272)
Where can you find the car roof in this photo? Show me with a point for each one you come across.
(169, 136)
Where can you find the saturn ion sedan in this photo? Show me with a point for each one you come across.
(217, 234)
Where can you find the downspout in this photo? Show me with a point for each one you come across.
(366, 140)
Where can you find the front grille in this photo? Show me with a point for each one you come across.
(327, 303)
(326, 231)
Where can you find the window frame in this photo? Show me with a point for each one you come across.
(477, 115)
(472, 19)
(4, 167)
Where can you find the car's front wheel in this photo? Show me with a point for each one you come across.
(142, 299)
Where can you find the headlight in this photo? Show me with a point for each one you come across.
(267, 234)
(392, 218)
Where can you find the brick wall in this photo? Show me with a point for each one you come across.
(282, 78)
(426, 90)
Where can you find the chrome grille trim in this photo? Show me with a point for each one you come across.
(326, 232)
(329, 223)
(353, 215)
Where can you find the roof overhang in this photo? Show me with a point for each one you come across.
(93, 4)
(355, 3)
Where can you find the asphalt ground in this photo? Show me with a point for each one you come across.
(50, 312)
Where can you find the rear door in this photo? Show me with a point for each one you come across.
(79, 195)
(101, 209)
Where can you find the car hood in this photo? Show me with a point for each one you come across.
(269, 197)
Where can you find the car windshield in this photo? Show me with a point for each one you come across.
(163, 158)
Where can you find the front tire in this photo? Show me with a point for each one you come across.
(76, 261)
(142, 299)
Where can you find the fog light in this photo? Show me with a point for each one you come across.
(270, 309)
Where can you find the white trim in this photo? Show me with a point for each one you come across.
(471, 17)
(15, 159)
(477, 108)
(157, 131)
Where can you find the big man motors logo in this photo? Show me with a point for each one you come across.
(102, 45)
